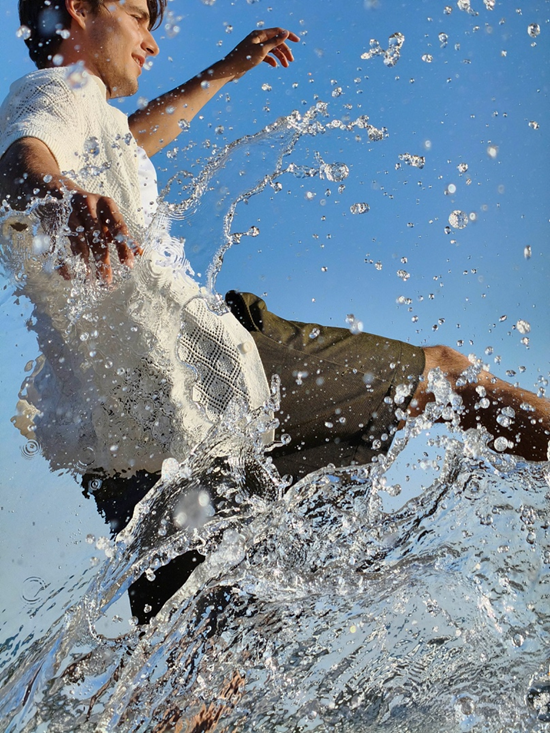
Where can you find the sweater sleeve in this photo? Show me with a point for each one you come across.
(44, 107)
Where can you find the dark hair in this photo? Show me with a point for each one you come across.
(47, 19)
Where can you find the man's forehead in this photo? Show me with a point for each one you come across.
(140, 6)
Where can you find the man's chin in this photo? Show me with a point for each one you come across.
(124, 89)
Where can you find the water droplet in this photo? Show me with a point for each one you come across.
(91, 146)
(458, 219)
(416, 161)
(533, 29)
(41, 244)
(33, 588)
(403, 274)
(57, 60)
(492, 151)
(451, 189)
(359, 208)
(30, 449)
(334, 171)
(443, 39)
(534, 125)
(464, 5)
(205, 84)
(23, 32)
(462, 167)
(337, 92)
(314, 333)
(150, 575)
(489, 4)
(447, 10)
(523, 326)
(76, 75)
(501, 444)
(266, 87)
(427, 58)
(354, 324)
(527, 252)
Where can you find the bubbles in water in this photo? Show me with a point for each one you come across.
(523, 326)
(533, 29)
(23, 32)
(458, 219)
(359, 208)
(534, 125)
(416, 161)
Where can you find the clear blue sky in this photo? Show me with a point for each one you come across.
(482, 88)
(313, 258)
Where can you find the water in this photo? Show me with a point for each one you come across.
(327, 605)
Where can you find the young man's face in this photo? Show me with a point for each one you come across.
(117, 43)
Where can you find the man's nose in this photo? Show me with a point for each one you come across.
(149, 44)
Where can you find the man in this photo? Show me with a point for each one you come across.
(62, 141)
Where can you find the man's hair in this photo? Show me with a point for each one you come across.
(47, 19)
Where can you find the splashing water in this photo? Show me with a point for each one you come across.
(319, 605)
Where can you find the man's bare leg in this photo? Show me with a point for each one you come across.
(529, 429)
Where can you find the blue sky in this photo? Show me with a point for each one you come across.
(480, 89)
(314, 259)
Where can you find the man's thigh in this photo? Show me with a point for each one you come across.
(339, 391)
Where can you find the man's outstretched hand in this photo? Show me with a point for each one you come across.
(268, 44)
(29, 171)
(95, 222)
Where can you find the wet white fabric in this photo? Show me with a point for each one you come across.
(67, 109)
(131, 375)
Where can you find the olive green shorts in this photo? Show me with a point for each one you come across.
(339, 390)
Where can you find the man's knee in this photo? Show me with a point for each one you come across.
(451, 362)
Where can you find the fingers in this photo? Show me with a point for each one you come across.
(96, 223)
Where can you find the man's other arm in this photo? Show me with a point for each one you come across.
(158, 124)
(29, 171)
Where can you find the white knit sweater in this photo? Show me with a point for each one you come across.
(140, 372)
(67, 109)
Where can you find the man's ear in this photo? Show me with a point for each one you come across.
(79, 10)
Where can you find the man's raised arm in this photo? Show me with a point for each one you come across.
(28, 171)
(158, 124)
